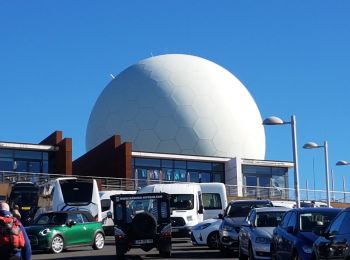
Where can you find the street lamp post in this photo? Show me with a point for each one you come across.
(277, 121)
(312, 145)
(342, 163)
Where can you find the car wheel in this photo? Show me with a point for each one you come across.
(165, 254)
(295, 255)
(99, 241)
(213, 240)
(241, 255)
(251, 253)
(57, 244)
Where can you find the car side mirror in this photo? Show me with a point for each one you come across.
(109, 214)
(201, 209)
(290, 230)
(71, 222)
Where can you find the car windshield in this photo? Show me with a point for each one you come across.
(316, 220)
(51, 219)
(136, 206)
(181, 201)
(241, 210)
(268, 219)
(76, 192)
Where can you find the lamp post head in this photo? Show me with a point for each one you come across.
(273, 120)
(311, 145)
(340, 163)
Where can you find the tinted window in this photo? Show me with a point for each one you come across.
(335, 227)
(51, 219)
(105, 204)
(77, 217)
(285, 220)
(181, 201)
(212, 201)
(76, 192)
(315, 220)
(268, 219)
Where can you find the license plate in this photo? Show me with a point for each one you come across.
(143, 241)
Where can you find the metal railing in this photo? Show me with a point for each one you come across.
(253, 192)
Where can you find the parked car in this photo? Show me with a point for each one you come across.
(256, 232)
(234, 216)
(334, 242)
(295, 235)
(56, 231)
(206, 233)
(143, 221)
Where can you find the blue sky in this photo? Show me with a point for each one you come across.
(293, 56)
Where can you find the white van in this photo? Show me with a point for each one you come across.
(185, 202)
(214, 199)
(70, 193)
(107, 206)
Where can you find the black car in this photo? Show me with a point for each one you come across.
(334, 242)
(234, 216)
(299, 228)
(143, 221)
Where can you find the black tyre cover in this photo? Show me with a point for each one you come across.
(143, 226)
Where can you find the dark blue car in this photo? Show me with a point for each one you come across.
(294, 236)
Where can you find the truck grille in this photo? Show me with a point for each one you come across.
(177, 222)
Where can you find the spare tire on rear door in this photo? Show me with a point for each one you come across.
(143, 225)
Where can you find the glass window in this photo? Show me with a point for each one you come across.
(76, 192)
(6, 153)
(45, 156)
(167, 163)
(219, 167)
(85, 219)
(211, 201)
(218, 177)
(147, 162)
(20, 166)
(45, 167)
(180, 164)
(34, 167)
(345, 226)
(28, 154)
(315, 220)
(335, 227)
(269, 219)
(6, 164)
(256, 169)
(181, 201)
(250, 181)
(168, 174)
(105, 204)
(279, 170)
(285, 220)
(180, 175)
(205, 177)
(293, 220)
(199, 165)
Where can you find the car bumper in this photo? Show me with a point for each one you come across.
(39, 242)
(181, 231)
(197, 239)
(262, 251)
(229, 240)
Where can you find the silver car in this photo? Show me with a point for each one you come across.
(256, 232)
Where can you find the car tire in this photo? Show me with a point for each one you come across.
(241, 255)
(213, 240)
(120, 252)
(99, 241)
(165, 254)
(251, 253)
(295, 255)
(273, 253)
(57, 244)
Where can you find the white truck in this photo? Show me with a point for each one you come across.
(185, 202)
(214, 199)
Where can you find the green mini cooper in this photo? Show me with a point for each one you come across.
(56, 231)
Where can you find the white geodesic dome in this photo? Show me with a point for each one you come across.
(179, 104)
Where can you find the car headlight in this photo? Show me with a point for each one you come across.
(226, 227)
(307, 249)
(44, 232)
(201, 227)
(262, 240)
(189, 218)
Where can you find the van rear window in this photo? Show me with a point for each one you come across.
(76, 192)
(211, 201)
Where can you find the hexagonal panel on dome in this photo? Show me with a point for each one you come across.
(166, 128)
(128, 131)
(183, 95)
(168, 146)
(205, 128)
(206, 148)
(186, 116)
(146, 118)
(146, 140)
(186, 138)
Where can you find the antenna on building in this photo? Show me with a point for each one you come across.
(113, 77)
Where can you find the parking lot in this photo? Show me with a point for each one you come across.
(182, 249)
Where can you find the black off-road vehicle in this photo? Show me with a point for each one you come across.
(143, 221)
